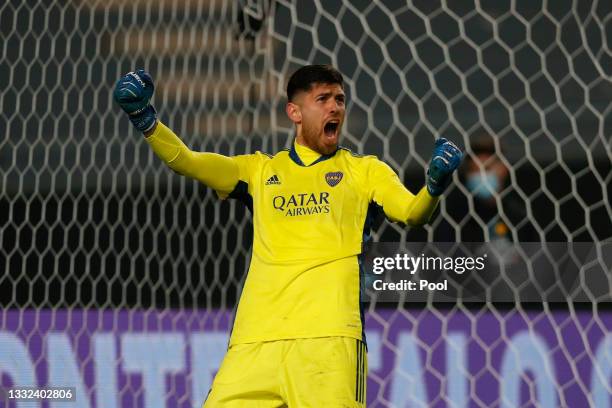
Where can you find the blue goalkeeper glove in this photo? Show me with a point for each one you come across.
(133, 93)
(444, 161)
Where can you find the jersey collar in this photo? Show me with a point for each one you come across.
(296, 159)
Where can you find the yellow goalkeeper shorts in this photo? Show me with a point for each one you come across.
(299, 373)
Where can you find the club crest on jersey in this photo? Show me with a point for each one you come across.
(333, 178)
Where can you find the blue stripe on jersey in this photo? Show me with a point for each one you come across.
(294, 156)
(374, 210)
(241, 193)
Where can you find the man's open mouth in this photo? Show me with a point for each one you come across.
(331, 128)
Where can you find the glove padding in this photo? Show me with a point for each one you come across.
(133, 93)
(445, 159)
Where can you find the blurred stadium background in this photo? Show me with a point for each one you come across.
(119, 276)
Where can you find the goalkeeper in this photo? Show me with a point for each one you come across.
(298, 335)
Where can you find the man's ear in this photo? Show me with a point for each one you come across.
(293, 112)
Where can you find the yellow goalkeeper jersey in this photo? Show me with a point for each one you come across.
(311, 215)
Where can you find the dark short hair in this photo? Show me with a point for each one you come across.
(304, 78)
(483, 144)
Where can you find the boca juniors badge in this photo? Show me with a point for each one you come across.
(333, 178)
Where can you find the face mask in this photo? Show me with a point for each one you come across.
(483, 185)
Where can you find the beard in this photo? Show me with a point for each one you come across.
(315, 138)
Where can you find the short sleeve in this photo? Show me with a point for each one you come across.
(249, 167)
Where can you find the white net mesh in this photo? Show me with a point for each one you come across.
(118, 276)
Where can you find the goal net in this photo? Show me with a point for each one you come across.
(119, 277)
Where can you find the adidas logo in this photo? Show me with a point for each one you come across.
(273, 180)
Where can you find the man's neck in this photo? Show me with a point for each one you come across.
(306, 154)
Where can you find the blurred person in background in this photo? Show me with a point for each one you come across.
(499, 214)
(489, 217)
(485, 176)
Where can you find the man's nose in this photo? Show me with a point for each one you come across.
(334, 106)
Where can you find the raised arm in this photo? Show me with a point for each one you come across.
(133, 93)
(215, 170)
(397, 202)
